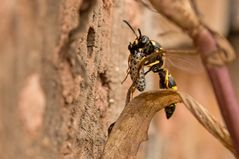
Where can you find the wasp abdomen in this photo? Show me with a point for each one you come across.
(140, 83)
(166, 82)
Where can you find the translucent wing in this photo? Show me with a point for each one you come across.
(186, 60)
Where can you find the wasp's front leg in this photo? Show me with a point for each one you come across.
(154, 61)
(130, 93)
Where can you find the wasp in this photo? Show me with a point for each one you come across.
(147, 52)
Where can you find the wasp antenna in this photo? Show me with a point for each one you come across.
(139, 32)
(126, 22)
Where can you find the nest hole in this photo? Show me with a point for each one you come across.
(90, 41)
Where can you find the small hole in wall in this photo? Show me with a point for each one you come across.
(104, 79)
(90, 41)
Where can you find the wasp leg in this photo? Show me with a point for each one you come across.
(147, 71)
(128, 70)
(130, 93)
(152, 68)
(150, 60)
(155, 60)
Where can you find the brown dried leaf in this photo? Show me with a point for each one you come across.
(131, 128)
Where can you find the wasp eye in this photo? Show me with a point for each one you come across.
(144, 39)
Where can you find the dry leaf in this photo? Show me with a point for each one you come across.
(131, 128)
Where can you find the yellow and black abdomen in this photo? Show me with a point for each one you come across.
(167, 82)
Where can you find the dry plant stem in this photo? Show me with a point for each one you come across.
(182, 14)
(208, 121)
(132, 126)
(223, 88)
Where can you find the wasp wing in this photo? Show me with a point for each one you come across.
(186, 60)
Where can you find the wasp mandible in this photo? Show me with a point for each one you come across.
(146, 52)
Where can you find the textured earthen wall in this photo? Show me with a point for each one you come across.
(59, 64)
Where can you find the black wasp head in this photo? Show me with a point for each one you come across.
(140, 42)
